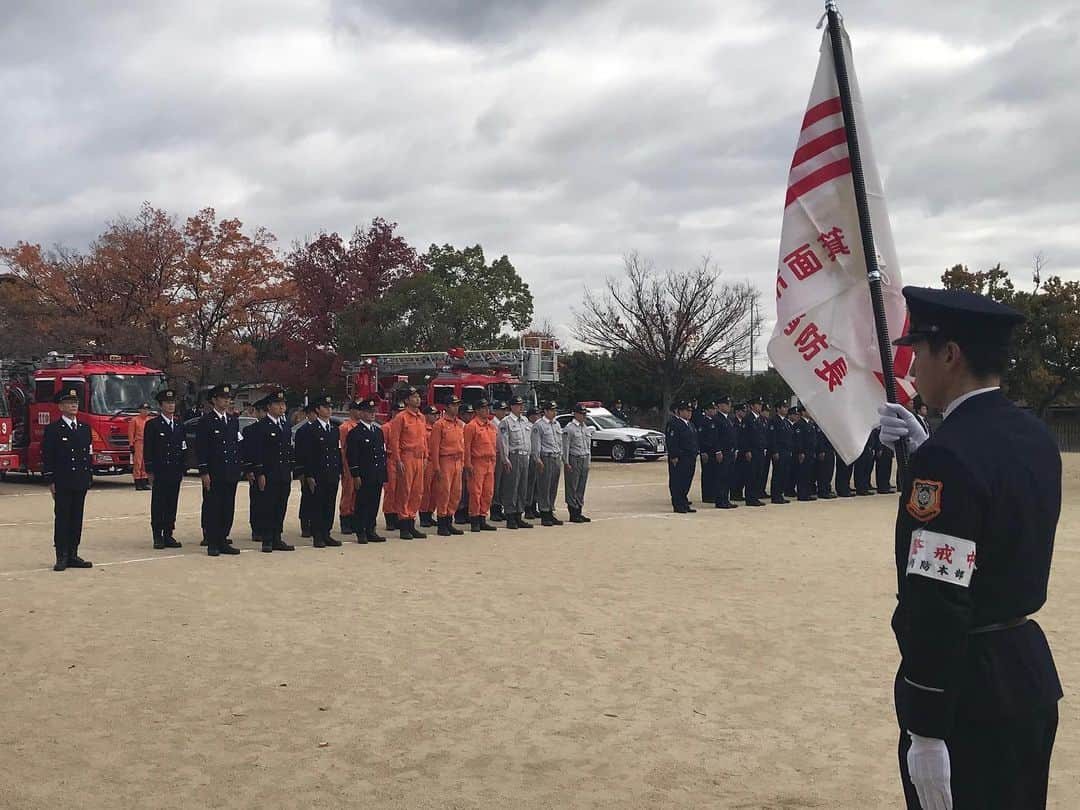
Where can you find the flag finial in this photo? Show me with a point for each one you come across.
(830, 7)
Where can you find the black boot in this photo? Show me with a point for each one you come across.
(497, 513)
(280, 545)
(545, 519)
(404, 532)
(318, 542)
(330, 540)
(267, 546)
(461, 517)
(575, 515)
(159, 539)
(511, 520)
(416, 533)
(454, 530)
(228, 548)
(425, 520)
(305, 528)
(444, 527)
(75, 561)
(61, 561)
(391, 521)
(521, 524)
(475, 524)
(346, 524)
(485, 526)
(373, 536)
(554, 520)
(531, 513)
(582, 518)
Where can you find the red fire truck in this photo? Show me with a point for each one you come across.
(110, 387)
(470, 375)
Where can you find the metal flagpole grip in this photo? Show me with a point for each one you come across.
(873, 273)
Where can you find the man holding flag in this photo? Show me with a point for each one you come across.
(976, 693)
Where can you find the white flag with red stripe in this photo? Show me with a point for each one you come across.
(824, 344)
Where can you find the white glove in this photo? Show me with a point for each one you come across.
(897, 422)
(928, 767)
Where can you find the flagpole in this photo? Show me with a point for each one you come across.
(873, 272)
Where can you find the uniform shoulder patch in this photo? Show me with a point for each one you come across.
(925, 501)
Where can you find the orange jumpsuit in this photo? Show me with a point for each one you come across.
(448, 456)
(427, 501)
(136, 427)
(408, 445)
(348, 492)
(479, 437)
(389, 501)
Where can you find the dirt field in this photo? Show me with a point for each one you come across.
(718, 660)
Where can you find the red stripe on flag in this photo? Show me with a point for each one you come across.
(823, 143)
(822, 110)
(902, 394)
(817, 178)
(904, 354)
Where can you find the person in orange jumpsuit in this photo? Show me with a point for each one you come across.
(461, 515)
(389, 503)
(347, 504)
(447, 449)
(136, 430)
(427, 500)
(408, 446)
(479, 437)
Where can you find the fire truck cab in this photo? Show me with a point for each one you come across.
(110, 387)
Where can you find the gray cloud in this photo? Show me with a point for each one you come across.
(561, 133)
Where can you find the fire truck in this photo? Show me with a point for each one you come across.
(468, 374)
(110, 388)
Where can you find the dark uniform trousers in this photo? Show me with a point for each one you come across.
(710, 477)
(863, 467)
(217, 452)
(843, 478)
(163, 456)
(781, 473)
(66, 463)
(883, 470)
(974, 542)
(824, 472)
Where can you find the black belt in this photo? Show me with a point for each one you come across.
(1006, 625)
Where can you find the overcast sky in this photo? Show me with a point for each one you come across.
(562, 133)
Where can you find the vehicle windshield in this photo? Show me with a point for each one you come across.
(472, 394)
(507, 391)
(122, 393)
(607, 422)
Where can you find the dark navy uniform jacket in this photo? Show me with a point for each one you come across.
(366, 454)
(757, 433)
(318, 452)
(805, 437)
(272, 451)
(974, 539)
(781, 435)
(217, 447)
(163, 449)
(65, 455)
(708, 435)
(682, 438)
(727, 435)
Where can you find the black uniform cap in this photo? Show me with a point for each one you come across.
(957, 314)
(467, 408)
(517, 401)
(274, 396)
(222, 390)
(429, 410)
(323, 400)
(724, 400)
(499, 405)
(400, 405)
(682, 405)
(411, 391)
(454, 399)
(755, 401)
(168, 395)
(261, 403)
(579, 408)
(366, 405)
(356, 405)
(66, 395)
(481, 403)
(532, 412)
(550, 405)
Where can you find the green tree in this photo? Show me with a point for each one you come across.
(459, 301)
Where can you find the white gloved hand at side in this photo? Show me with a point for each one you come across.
(897, 422)
(930, 772)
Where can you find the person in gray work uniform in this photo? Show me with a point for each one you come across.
(499, 410)
(514, 451)
(547, 460)
(576, 451)
(531, 498)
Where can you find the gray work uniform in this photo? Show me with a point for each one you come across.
(514, 432)
(577, 450)
(496, 495)
(547, 448)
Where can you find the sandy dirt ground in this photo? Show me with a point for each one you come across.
(648, 660)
